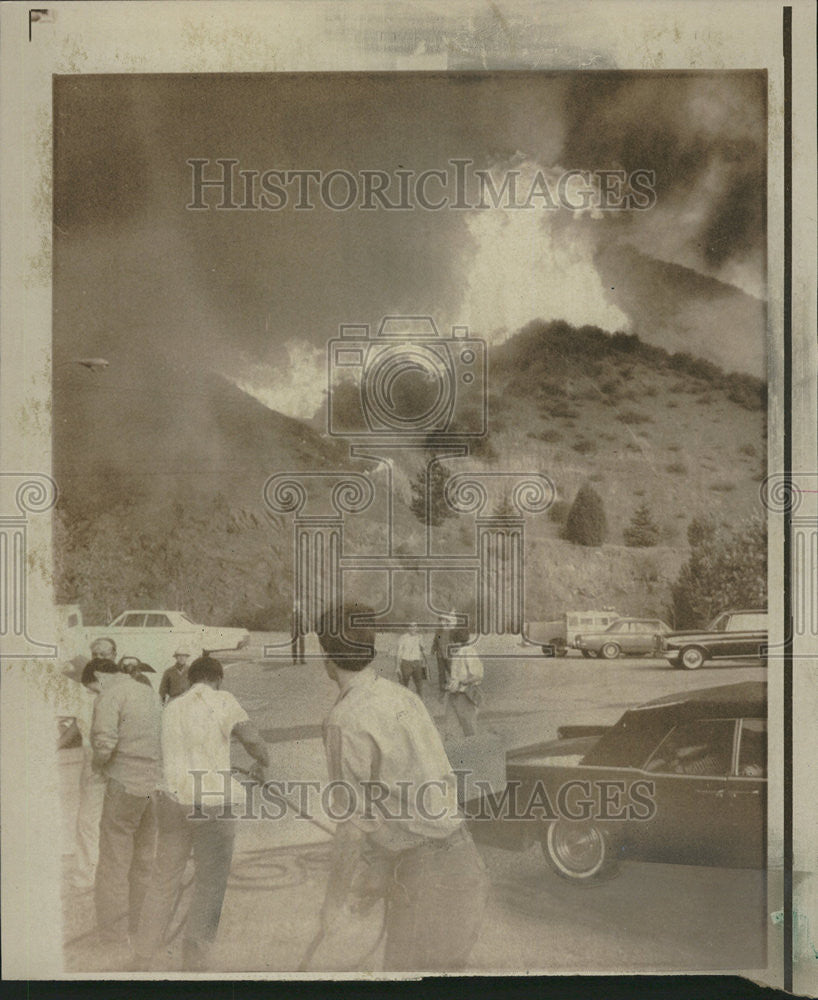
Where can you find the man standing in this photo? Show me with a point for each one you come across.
(381, 742)
(464, 691)
(174, 680)
(127, 752)
(440, 647)
(196, 812)
(92, 784)
(410, 658)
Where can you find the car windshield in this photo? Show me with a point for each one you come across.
(185, 618)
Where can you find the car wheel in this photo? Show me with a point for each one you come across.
(691, 658)
(610, 651)
(587, 654)
(579, 851)
(559, 646)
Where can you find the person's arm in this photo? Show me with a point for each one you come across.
(104, 730)
(250, 738)
(349, 759)
(164, 687)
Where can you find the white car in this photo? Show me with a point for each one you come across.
(153, 636)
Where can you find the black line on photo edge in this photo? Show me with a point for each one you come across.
(788, 685)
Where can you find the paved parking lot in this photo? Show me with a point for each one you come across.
(651, 917)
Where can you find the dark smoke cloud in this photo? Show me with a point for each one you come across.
(704, 134)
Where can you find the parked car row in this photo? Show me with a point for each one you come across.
(731, 635)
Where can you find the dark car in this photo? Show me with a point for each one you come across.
(681, 780)
(627, 636)
(731, 635)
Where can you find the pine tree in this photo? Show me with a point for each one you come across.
(643, 531)
(439, 509)
(727, 569)
(586, 524)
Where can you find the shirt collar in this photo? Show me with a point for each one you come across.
(363, 678)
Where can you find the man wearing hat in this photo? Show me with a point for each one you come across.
(137, 669)
(174, 680)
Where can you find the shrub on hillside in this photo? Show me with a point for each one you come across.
(633, 417)
(586, 524)
(583, 446)
(722, 486)
(748, 449)
(558, 511)
(748, 392)
(677, 468)
(727, 568)
(642, 532)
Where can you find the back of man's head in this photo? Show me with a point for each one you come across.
(205, 670)
(349, 646)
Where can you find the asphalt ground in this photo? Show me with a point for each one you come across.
(650, 918)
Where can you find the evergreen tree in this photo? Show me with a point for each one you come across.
(643, 531)
(586, 524)
(439, 509)
(727, 569)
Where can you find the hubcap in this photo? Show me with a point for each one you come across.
(578, 848)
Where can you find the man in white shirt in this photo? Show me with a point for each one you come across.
(196, 811)
(410, 658)
(406, 840)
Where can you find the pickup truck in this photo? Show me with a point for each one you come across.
(731, 635)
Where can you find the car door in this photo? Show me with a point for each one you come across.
(640, 639)
(689, 770)
(747, 796)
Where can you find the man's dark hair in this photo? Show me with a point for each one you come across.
(206, 669)
(350, 647)
(100, 666)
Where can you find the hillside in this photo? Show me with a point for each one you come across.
(161, 470)
(642, 425)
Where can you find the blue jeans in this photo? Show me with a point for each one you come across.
(127, 838)
(435, 905)
(211, 841)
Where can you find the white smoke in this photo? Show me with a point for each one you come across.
(530, 265)
(295, 386)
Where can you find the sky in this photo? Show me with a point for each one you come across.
(256, 294)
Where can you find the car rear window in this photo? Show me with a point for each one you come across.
(631, 741)
(158, 621)
(747, 623)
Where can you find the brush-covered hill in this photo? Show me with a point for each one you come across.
(161, 468)
(641, 425)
